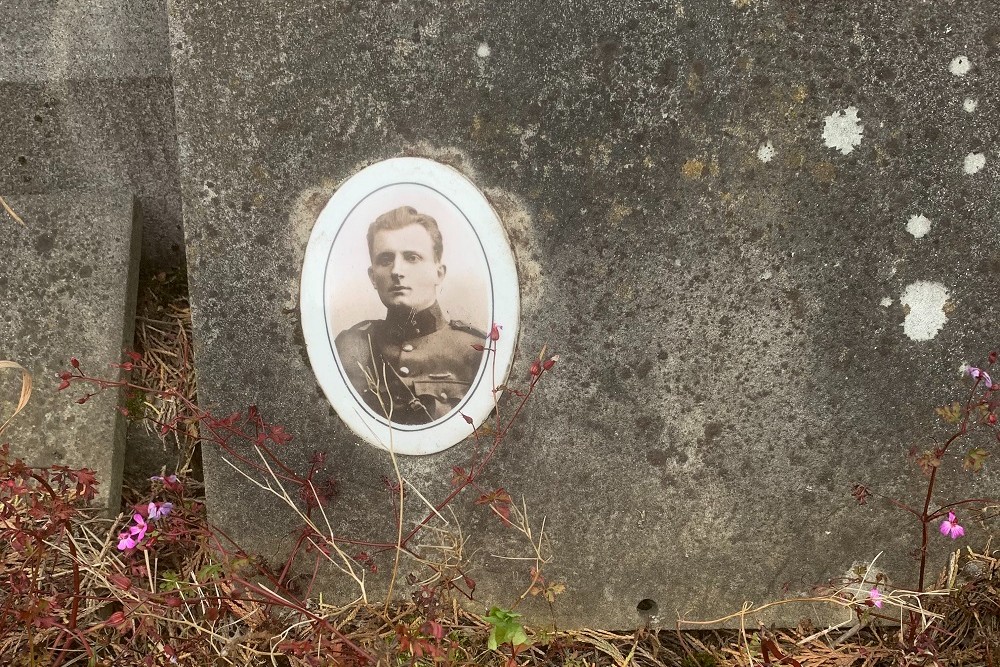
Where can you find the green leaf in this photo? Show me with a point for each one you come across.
(170, 581)
(951, 414)
(507, 629)
(974, 459)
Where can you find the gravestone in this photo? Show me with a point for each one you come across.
(68, 289)
(761, 236)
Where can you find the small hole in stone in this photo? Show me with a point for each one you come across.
(647, 607)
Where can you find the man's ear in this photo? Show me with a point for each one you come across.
(442, 270)
(371, 276)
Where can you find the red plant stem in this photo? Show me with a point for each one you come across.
(926, 516)
(275, 599)
(219, 437)
(474, 471)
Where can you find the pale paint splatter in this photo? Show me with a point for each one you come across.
(484, 50)
(974, 162)
(886, 302)
(918, 225)
(842, 130)
(926, 315)
(960, 66)
(765, 152)
(970, 104)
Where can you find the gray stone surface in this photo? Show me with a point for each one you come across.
(67, 289)
(724, 282)
(88, 104)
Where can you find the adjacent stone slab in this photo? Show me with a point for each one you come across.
(63, 39)
(67, 289)
(89, 105)
(709, 206)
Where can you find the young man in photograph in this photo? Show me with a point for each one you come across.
(414, 366)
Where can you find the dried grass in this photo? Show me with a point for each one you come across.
(25, 393)
(163, 337)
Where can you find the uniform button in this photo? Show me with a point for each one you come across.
(407, 348)
(404, 371)
(444, 396)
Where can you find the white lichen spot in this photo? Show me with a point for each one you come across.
(974, 162)
(925, 301)
(960, 66)
(842, 130)
(886, 302)
(484, 50)
(970, 104)
(918, 225)
(765, 152)
(767, 275)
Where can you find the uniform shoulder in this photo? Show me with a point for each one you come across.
(359, 330)
(459, 325)
(364, 325)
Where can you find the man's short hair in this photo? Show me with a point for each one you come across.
(404, 216)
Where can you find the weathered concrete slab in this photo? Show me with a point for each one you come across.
(67, 289)
(49, 40)
(710, 205)
(88, 103)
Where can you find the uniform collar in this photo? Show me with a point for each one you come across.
(411, 324)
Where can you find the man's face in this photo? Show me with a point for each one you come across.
(403, 269)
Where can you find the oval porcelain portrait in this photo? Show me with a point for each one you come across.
(406, 272)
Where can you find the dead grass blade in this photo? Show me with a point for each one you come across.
(11, 212)
(25, 388)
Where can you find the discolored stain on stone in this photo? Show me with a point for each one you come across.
(657, 457)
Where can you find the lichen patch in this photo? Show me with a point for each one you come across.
(924, 302)
(842, 130)
(973, 163)
(918, 225)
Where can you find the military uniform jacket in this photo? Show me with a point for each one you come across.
(420, 366)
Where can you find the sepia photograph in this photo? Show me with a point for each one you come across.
(408, 299)
(408, 267)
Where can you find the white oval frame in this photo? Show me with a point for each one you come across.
(504, 305)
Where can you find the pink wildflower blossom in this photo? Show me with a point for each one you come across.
(159, 510)
(875, 595)
(978, 373)
(138, 531)
(951, 528)
(128, 539)
(169, 479)
(125, 541)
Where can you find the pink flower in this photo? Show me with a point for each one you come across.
(169, 479)
(875, 595)
(951, 527)
(978, 373)
(159, 510)
(125, 541)
(138, 531)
